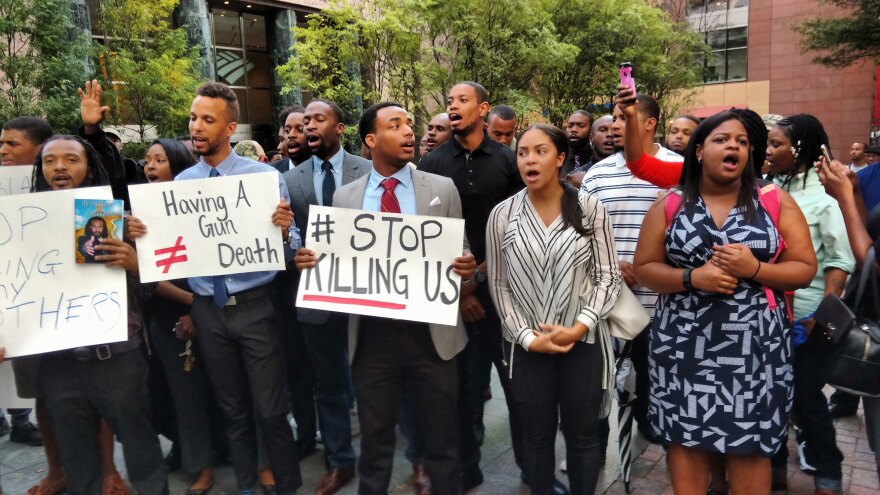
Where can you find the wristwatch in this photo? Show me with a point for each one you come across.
(686, 279)
(480, 276)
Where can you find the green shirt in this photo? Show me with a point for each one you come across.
(828, 234)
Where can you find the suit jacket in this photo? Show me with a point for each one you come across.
(282, 165)
(301, 185)
(448, 340)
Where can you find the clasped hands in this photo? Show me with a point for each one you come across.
(728, 264)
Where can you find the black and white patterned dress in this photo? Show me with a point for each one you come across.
(721, 374)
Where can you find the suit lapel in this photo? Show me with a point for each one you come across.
(423, 192)
(307, 182)
(349, 168)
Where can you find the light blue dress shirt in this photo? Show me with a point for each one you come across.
(336, 162)
(235, 165)
(405, 191)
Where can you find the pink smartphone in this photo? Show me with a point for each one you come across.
(626, 78)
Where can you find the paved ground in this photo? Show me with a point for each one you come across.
(21, 467)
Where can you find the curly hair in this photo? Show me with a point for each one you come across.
(96, 176)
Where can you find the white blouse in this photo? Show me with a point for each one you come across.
(540, 274)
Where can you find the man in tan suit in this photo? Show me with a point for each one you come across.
(388, 355)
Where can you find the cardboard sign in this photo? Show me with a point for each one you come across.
(16, 179)
(47, 301)
(206, 227)
(383, 264)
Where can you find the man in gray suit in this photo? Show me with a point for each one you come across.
(313, 182)
(389, 354)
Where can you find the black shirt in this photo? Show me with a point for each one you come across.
(486, 178)
(584, 162)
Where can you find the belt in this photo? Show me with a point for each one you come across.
(244, 296)
(104, 352)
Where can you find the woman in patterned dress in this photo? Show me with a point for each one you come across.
(720, 353)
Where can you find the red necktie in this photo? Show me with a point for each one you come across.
(389, 200)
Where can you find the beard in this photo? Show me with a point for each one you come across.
(212, 149)
(464, 131)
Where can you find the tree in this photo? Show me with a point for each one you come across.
(844, 40)
(608, 32)
(41, 62)
(147, 64)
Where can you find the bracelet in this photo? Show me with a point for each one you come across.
(686, 279)
(756, 271)
(467, 281)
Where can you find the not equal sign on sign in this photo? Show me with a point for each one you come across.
(166, 263)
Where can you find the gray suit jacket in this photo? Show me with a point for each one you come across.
(448, 340)
(301, 185)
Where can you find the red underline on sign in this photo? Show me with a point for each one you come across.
(354, 301)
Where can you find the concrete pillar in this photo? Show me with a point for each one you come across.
(193, 14)
(280, 41)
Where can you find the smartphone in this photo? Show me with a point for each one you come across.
(826, 154)
(626, 77)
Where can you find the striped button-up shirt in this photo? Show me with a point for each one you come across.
(550, 274)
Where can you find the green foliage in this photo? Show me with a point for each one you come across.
(146, 65)
(844, 40)
(542, 57)
(41, 62)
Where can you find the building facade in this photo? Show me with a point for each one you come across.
(757, 63)
(240, 44)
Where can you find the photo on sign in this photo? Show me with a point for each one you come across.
(96, 219)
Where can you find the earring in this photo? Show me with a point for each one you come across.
(700, 161)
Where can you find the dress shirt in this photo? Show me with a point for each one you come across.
(484, 177)
(336, 162)
(828, 233)
(235, 165)
(405, 192)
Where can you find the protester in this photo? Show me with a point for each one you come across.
(386, 353)
(578, 128)
(20, 142)
(857, 155)
(794, 146)
(423, 146)
(834, 178)
(240, 329)
(178, 351)
(109, 383)
(872, 154)
(679, 132)
(601, 147)
(544, 247)
(315, 181)
(501, 125)
(438, 131)
(627, 199)
(735, 397)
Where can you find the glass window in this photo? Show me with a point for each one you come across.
(258, 74)
(738, 37)
(241, 94)
(716, 5)
(737, 64)
(729, 59)
(260, 106)
(232, 67)
(227, 30)
(95, 17)
(254, 31)
(738, 3)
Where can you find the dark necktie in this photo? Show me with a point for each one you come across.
(577, 161)
(221, 295)
(329, 184)
(389, 200)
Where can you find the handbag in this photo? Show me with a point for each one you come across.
(854, 364)
(628, 318)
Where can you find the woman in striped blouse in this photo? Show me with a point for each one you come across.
(553, 276)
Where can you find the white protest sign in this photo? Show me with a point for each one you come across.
(47, 301)
(16, 179)
(206, 227)
(383, 264)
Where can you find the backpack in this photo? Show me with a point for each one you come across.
(769, 199)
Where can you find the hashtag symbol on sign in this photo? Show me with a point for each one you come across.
(320, 228)
(166, 263)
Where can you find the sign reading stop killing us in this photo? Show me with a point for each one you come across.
(47, 301)
(206, 227)
(383, 264)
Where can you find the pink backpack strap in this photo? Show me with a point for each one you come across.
(673, 201)
(769, 198)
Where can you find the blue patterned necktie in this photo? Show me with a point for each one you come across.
(221, 295)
